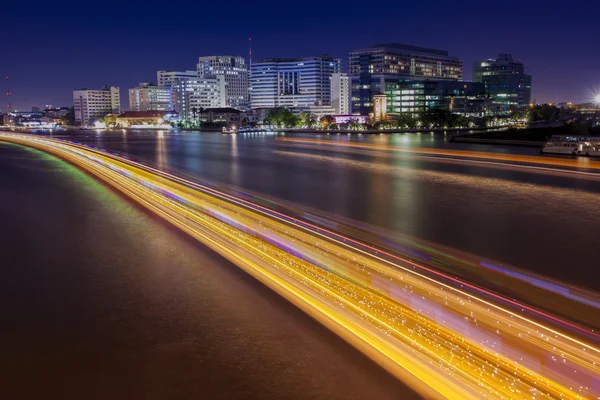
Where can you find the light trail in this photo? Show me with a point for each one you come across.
(446, 342)
(518, 158)
(462, 160)
(565, 291)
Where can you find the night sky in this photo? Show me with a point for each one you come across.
(49, 49)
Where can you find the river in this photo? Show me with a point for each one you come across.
(101, 300)
(540, 221)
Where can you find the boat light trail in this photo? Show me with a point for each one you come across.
(416, 322)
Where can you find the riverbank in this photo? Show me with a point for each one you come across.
(368, 131)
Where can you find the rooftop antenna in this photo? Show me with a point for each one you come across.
(8, 95)
(250, 51)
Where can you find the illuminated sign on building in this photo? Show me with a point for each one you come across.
(380, 107)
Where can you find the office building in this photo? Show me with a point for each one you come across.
(235, 74)
(192, 95)
(411, 95)
(148, 97)
(402, 59)
(292, 83)
(166, 78)
(340, 93)
(505, 80)
(418, 96)
(93, 105)
(367, 66)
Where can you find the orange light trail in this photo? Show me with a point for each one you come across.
(442, 340)
(518, 158)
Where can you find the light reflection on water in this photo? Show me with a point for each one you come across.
(502, 213)
(93, 288)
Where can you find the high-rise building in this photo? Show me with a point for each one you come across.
(368, 66)
(235, 74)
(340, 93)
(92, 105)
(148, 97)
(294, 82)
(505, 80)
(192, 95)
(166, 78)
(402, 59)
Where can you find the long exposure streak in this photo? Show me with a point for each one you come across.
(443, 340)
(516, 158)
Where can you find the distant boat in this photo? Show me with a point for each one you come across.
(229, 131)
(572, 145)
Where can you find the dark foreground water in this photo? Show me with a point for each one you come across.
(100, 300)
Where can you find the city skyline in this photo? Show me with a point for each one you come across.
(83, 54)
(316, 200)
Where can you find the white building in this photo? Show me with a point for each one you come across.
(340, 93)
(166, 78)
(235, 74)
(191, 95)
(292, 83)
(147, 97)
(92, 105)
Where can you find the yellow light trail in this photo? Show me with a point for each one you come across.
(518, 158)
(442, 340)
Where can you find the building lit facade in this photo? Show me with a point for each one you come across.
(235, 74)
(369, 66)
(92, 105)
(167, 78)
(292, 83)
(418, 96)
(340, 93)
(148, 97)
(505, 80)
(191, 95)
(402, 59)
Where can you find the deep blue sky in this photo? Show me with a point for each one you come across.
(50, 48)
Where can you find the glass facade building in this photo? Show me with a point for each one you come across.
(298, 82)
(396, 60)
(505, 80)
(402, 59)
(418, 96)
